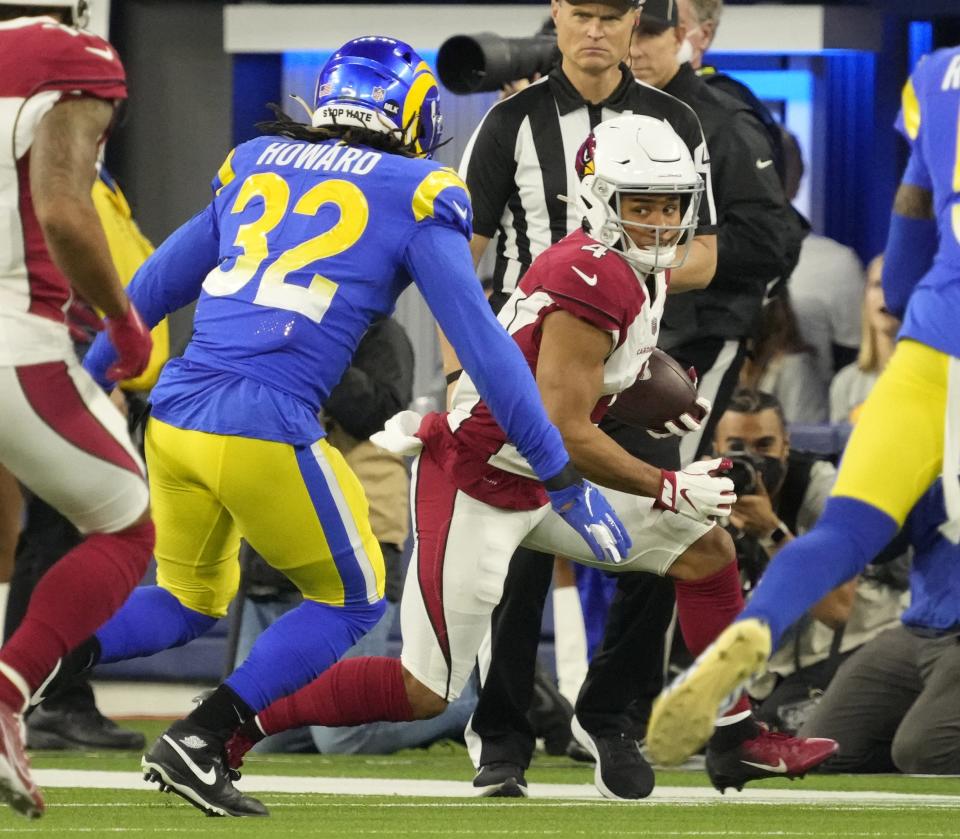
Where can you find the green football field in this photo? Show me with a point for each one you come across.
(428, 793)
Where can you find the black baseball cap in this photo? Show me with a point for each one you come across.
(658, 15)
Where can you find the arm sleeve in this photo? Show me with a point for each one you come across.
(759, 236)
(488, 167)
(911, 247)
(377, 385)
(438, 259)
(169, 279)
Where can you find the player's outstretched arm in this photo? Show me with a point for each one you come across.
(169, 279)
(438, 259)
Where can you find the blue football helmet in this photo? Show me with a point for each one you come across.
(383, 85)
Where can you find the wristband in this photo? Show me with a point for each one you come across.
(454, 376)
(566, 477)
(776, 537)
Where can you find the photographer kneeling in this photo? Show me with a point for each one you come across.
(780, 495)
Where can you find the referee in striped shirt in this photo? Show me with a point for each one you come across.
(518, 163)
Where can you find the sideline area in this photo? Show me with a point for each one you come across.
(408, 787)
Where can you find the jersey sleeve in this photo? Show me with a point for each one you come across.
(909, 122)
(590, 288)
(225, 174)
(74, 61)
(443, 198)
(909, 119)
(488, 167)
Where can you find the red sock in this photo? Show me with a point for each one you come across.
(352, 692)
(706, 607)
(72, 600)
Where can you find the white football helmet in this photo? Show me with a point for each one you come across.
(79, 9)
(633, 154)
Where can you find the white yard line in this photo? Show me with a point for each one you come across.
(567, 793)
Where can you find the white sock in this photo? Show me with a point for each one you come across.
(570, 641)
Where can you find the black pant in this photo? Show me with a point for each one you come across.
(625, 674)
(46, 538)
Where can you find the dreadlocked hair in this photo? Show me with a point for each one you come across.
(286, 126)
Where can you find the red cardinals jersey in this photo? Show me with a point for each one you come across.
(41, 61)
(581, 277)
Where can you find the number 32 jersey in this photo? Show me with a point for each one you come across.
(303, 246)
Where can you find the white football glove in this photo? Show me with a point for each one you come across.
(685, 423)
(695, 491)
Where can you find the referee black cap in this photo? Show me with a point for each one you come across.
(658, 15)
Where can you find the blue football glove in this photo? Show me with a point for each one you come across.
(581, 505)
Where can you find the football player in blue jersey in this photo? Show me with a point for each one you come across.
(908, 432)
(312, 233)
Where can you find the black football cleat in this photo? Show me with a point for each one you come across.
(81, 728)
(190, 761)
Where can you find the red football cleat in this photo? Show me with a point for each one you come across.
(16, 784)
(770, 754)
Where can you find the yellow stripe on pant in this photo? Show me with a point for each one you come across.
(896, 450)
(300, 507)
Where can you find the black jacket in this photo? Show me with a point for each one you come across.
(758, 235)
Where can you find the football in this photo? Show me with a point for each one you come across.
(664, 394)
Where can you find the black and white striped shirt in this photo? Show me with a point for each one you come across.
(522, 155)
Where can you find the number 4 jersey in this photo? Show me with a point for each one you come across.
(303, 246)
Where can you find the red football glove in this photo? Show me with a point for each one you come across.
(131, 339)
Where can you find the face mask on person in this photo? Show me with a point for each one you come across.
(685, 51)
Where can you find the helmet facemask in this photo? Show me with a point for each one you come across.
(670, 245)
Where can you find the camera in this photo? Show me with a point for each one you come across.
(744, 472)
(486, 61)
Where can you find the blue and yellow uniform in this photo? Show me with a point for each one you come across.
(906, 411)
(897, 449)
(303, 245)
(908, 429)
